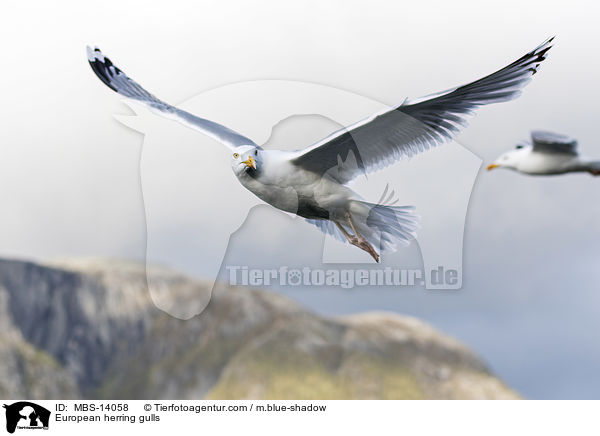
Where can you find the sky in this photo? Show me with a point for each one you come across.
(75, 181)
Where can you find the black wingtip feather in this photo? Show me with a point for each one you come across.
(101, 66)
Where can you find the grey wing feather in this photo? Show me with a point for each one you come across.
(415, 125)
(119, 82)
(549, 142)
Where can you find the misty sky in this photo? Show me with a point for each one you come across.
(70, 177)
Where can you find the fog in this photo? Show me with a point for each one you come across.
(71, 181)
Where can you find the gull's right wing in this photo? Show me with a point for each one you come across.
(549, 142)
(416, 125)
(118, 81)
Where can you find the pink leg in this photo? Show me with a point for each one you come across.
(357, 240)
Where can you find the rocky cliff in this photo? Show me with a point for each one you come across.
(89, 329)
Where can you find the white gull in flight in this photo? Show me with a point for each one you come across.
(547, 154)
(312, 182)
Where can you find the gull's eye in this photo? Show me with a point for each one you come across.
(236, 155)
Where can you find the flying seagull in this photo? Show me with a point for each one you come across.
(312, 182)
(546, 154)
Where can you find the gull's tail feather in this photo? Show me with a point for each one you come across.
(385, 227)
(594, 168)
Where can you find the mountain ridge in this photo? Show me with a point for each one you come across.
(90, 329)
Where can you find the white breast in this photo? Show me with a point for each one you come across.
(281, 184)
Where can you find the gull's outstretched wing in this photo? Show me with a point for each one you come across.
(416, 125)
(118, 81)
(549, 142)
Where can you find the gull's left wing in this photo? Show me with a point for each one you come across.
(118, 81)
(416, 125)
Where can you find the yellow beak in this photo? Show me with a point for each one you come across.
(250, 162)
(492, 166)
